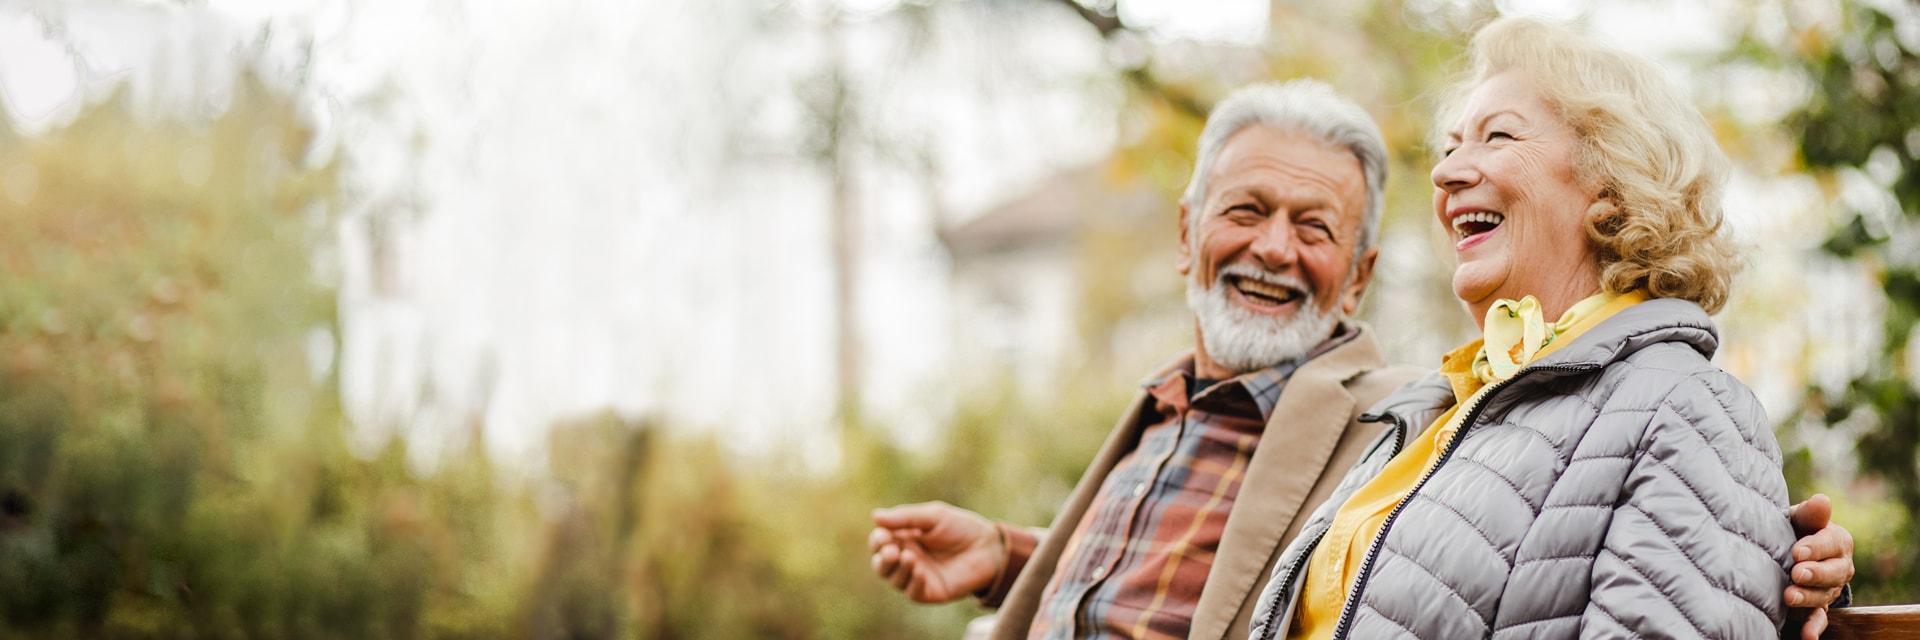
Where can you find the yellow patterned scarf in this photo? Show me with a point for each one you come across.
(1516, 333)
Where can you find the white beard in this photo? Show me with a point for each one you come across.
(1242, 340)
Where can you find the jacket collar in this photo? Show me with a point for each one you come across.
(1656, 321)
(1265, 386)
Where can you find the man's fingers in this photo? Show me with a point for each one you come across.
(902, 574)
(885, 560)
(916, 585)
(1826, 575)
(1812, 515)
(1831, 543)
(1815, 625)
(915, 547)
(924, 515)
(1804, 599)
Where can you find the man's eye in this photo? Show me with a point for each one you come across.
(1446, 152)
(1494, 135)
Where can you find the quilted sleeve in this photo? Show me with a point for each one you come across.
(1699, 543)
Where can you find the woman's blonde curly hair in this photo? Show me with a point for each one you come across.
(1657, 226)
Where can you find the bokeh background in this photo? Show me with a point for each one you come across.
(585, 319)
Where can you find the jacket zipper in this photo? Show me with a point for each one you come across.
(1274, 612)
(1373, 550)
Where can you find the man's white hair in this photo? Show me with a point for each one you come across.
(1302, 105)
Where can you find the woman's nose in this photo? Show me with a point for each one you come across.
(1455, 171)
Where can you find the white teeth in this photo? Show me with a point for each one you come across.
(1282, 294)
(1485, 217)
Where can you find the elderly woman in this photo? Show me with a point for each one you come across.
(1583, 469)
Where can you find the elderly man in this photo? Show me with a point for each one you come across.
(1176, 524)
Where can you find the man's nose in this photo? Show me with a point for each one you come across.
(1274, 247)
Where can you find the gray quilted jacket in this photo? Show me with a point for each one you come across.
(1622, 486)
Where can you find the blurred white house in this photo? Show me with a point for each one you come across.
(1025, 273)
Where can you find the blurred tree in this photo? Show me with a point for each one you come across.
(172, 459)
(155, 298)
(172, 453)
(1862, 115)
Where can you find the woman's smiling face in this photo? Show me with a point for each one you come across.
(1507, 194)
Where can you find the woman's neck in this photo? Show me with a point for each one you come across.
(1554, 301)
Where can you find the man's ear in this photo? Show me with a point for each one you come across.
(1185, 262)
(1362, 275)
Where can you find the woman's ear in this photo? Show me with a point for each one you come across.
(1603, 214)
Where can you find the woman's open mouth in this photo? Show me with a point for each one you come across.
(1473, 223)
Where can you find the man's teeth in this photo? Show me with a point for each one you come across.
(1280, 295)
(1480, 221)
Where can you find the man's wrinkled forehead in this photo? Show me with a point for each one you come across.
(1270, 164)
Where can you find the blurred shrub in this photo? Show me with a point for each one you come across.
(669, 536)
(170, 465)
(1863, 71)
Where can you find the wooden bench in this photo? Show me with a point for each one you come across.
(1889, 622)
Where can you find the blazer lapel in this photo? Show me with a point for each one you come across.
(1022, 603)
(1306, 428)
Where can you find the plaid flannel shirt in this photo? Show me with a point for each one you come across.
(1136, 563)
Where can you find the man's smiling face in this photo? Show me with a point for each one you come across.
(1270, 256)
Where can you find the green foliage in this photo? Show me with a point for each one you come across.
(170, 465)
(656, 536)
(1882, 534)
(1861, 115)
(173, 465)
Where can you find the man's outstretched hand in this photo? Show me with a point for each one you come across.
(1822, 564)
(934, 551)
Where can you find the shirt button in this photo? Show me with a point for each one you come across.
(1099, 572)
(1139, 489)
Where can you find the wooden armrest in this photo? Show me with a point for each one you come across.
(1889, 622)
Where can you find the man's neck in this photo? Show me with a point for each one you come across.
(1205, 367)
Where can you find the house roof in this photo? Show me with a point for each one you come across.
(1052, 213)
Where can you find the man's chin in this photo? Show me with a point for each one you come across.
(1242, 337)
(1250, 344)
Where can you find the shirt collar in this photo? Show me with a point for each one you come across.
(1263, 386)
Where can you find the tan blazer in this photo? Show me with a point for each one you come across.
(1315, 418)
